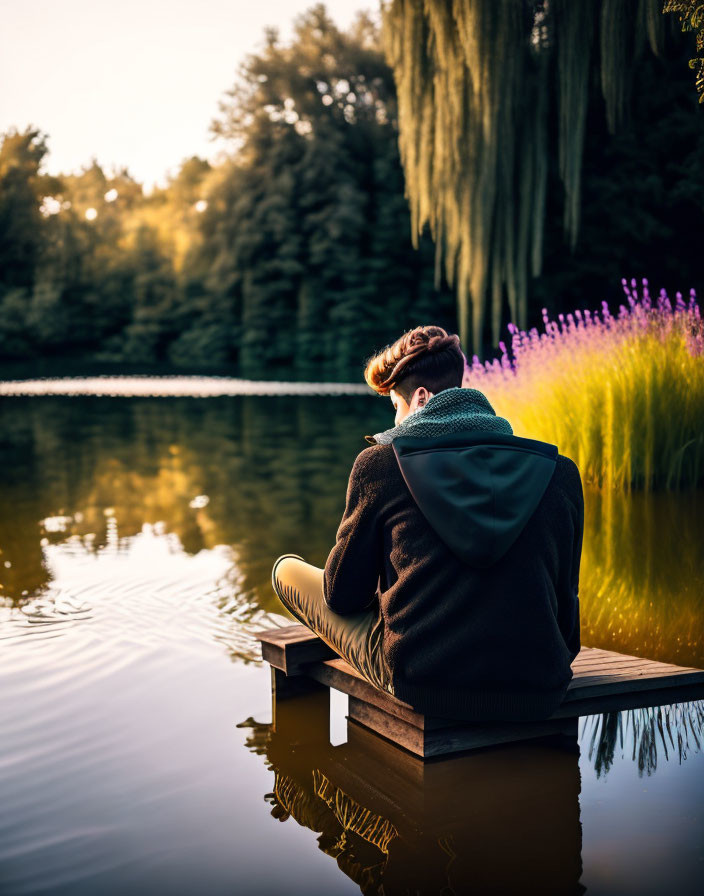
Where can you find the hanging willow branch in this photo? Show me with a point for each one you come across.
(472, 78)
(691, 16)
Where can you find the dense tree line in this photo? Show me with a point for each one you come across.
(293, 253)
(294, 256)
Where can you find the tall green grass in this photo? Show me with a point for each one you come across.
(622, 396)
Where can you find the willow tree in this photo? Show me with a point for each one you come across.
(487, 91)
(691, 16)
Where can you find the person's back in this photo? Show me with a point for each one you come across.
(479, 609)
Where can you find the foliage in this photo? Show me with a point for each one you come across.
(622, 396)
(490, 92)
(691, 16)
(311, 225)
(293, 255)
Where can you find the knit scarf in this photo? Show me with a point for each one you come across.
(453, 410)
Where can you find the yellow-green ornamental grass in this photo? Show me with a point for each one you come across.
(622, 396)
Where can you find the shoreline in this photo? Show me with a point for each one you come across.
(169, 385)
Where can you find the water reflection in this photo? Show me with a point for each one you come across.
(505, 819)
(137, 539)
(641, 589)
(671, 731)
(501, 820)
(273, 470)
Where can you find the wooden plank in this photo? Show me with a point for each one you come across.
(629, 681)
(455, 738)
(608, 663)
(286, 634)
(389, 726)
(625, 663)
(289, 647)
(589, 656)
(637, 676)
(610, 702)
(652, 675)
(340, 675)
(296, 650)
(631, 686)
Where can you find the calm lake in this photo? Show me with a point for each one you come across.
(137, 537)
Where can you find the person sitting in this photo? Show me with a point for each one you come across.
(453, 583)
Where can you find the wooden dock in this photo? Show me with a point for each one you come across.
(603, 681)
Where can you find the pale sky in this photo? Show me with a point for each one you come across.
(135, 82)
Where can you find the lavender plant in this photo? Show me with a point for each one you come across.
(623, 395)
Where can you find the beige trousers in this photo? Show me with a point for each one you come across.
(356, 637)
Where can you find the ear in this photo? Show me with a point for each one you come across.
(423, 396)
(418, 399)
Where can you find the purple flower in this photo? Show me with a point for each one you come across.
(593, 326)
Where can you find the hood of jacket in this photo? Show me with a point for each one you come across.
(476, 483)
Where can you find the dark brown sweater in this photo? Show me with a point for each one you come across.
(462, 641)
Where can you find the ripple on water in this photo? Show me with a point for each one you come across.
(99, 611)
(129, 616)
(94, 675)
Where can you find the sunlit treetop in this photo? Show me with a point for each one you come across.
(321, 73)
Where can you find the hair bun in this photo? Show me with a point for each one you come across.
(438, 343)
(394, 362)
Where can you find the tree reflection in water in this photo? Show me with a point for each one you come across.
(274, 470)
(674, 728)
